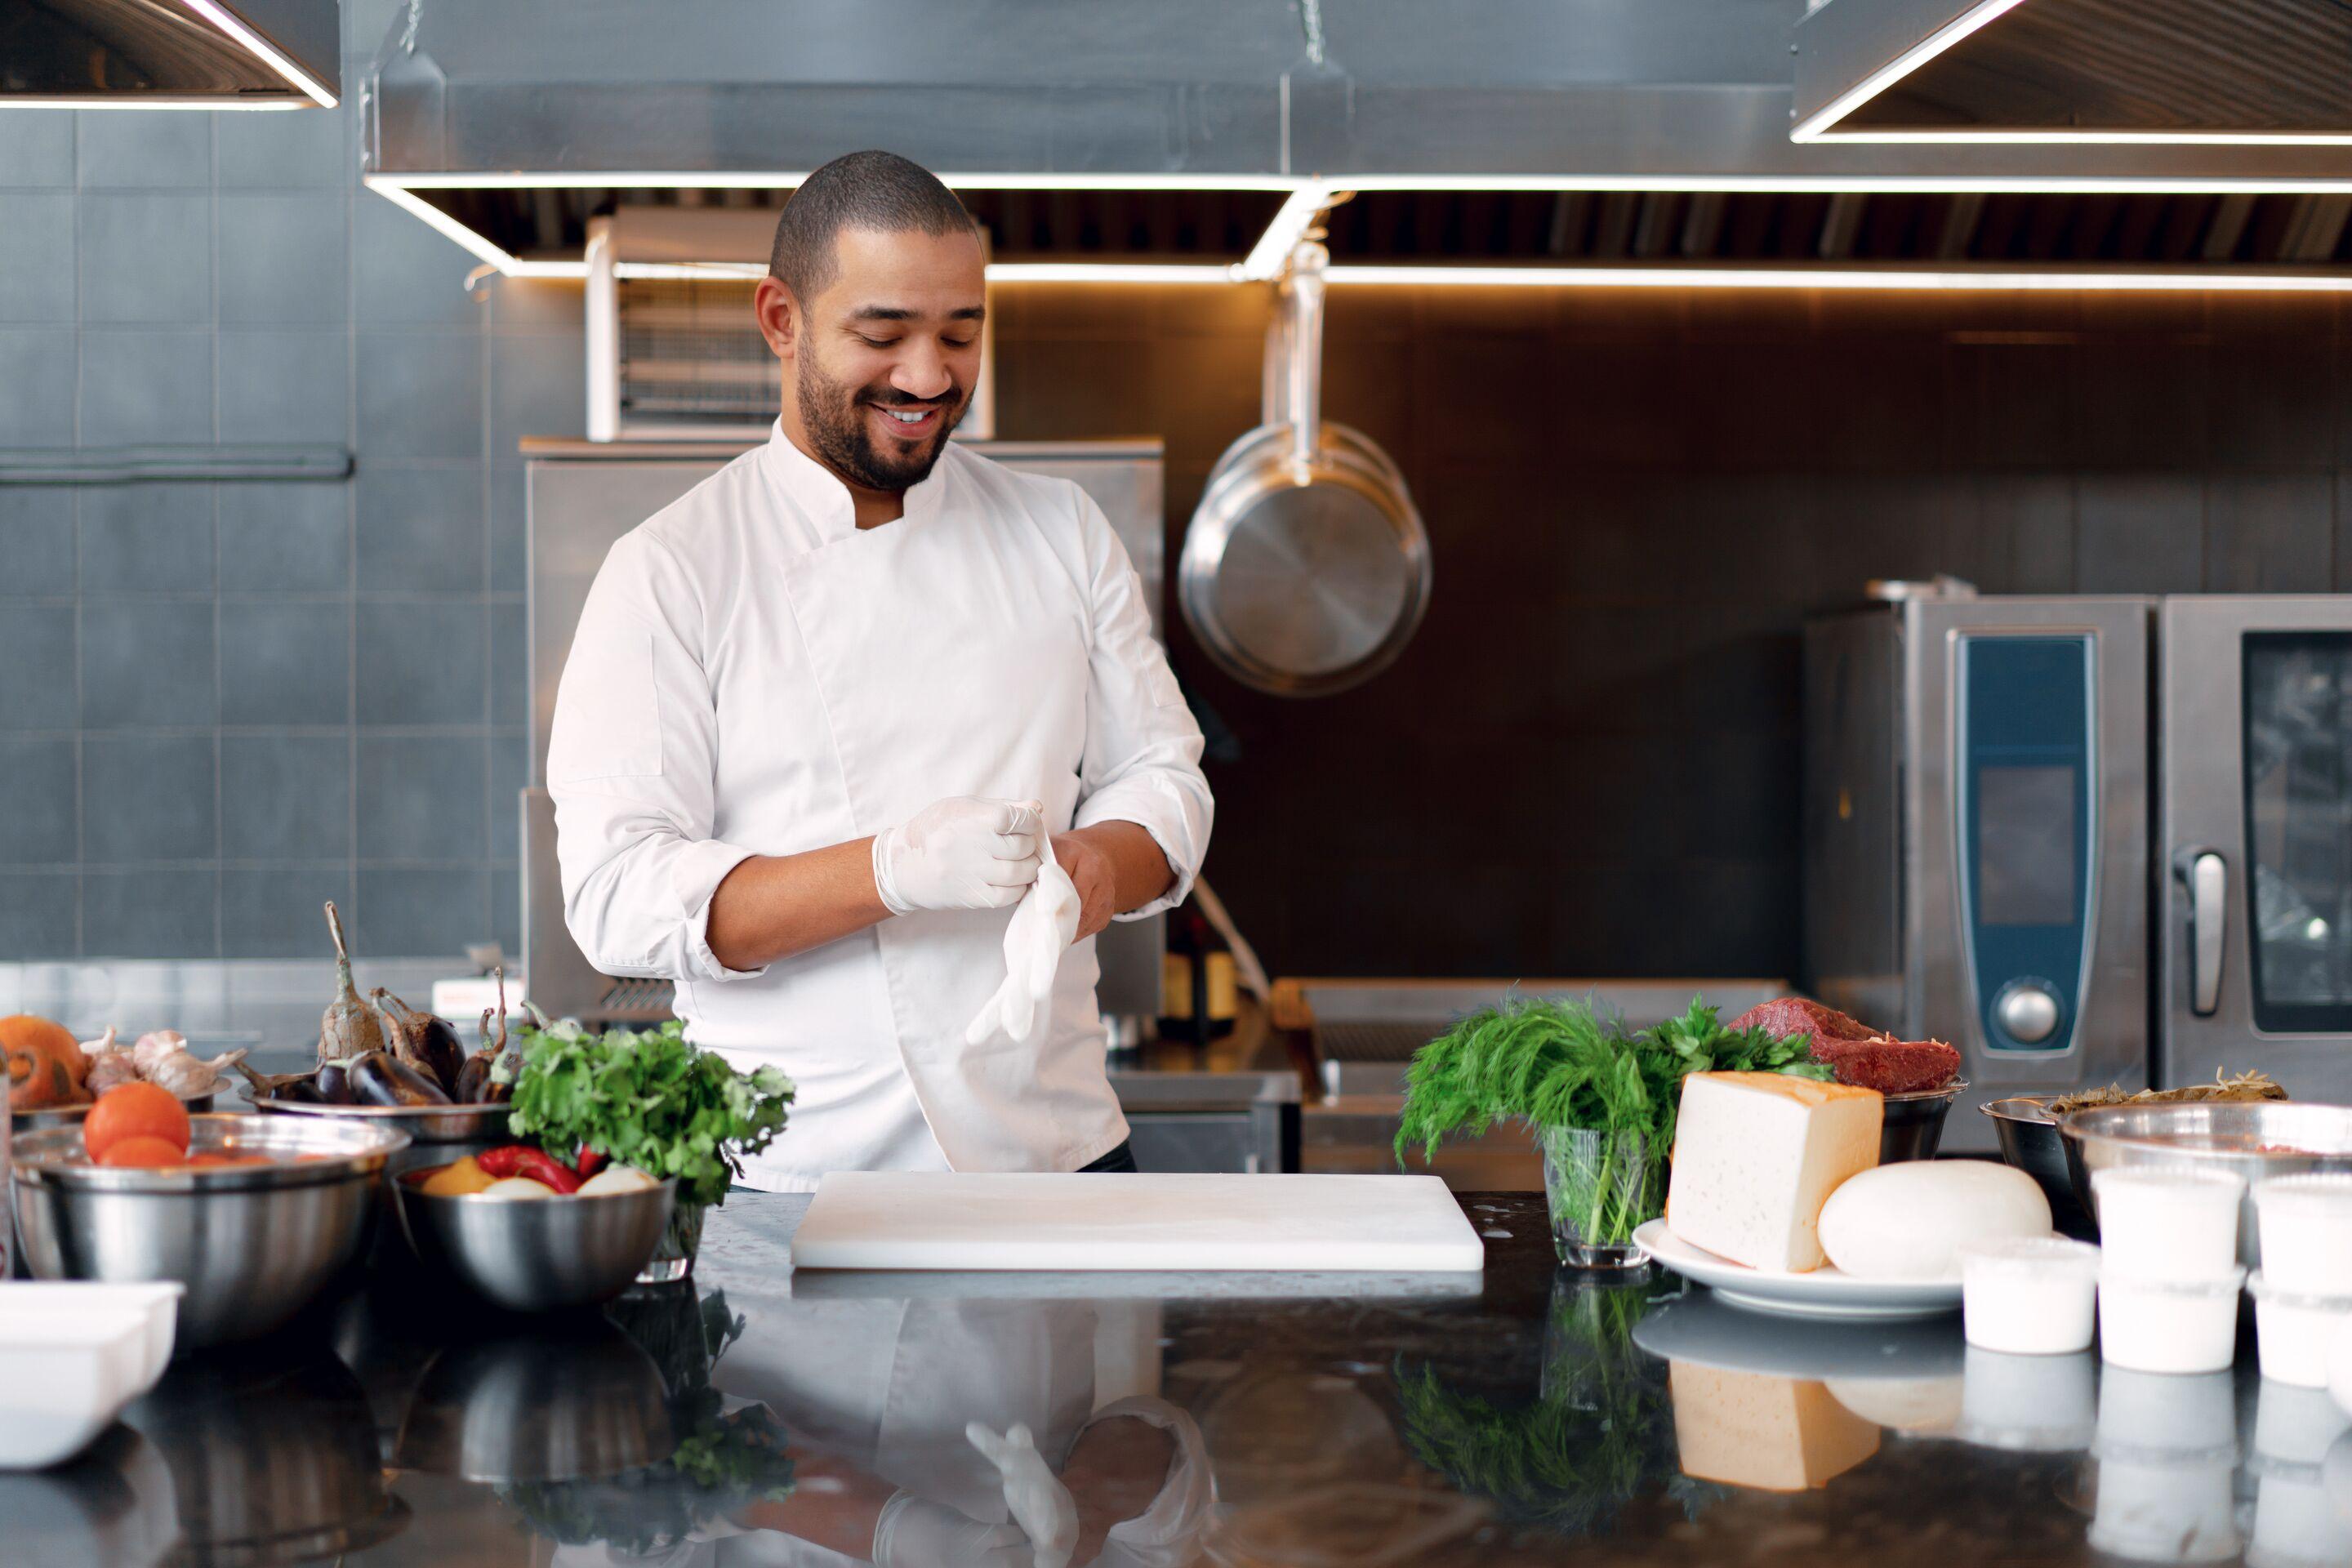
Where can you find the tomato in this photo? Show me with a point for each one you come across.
(142, 1153)
(135, 1111)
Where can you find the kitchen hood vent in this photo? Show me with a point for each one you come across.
(1137, 140)
(171, 54)
(2191, 72)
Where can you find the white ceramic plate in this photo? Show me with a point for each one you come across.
(1824, 1293)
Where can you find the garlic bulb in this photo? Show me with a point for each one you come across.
(110, 1063)
(156, 1046)
(188, 1077)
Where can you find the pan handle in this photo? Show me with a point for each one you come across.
(1305, 290)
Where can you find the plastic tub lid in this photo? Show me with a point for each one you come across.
(2220, 1285)
(2258, 1286)
(2021, 1255)
(2312, 1190)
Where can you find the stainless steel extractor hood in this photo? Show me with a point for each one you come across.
(171, 54)
(2057, 72)
(1613, 140)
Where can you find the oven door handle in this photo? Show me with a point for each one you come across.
(2207, 878)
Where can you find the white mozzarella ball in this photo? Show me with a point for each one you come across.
(1909, 1221)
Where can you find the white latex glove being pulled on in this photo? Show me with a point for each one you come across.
(1043, 927)
(962, 853)
(1037, 1500)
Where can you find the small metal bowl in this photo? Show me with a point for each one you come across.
(538, 1256)
(2031, 1142)
(253, 1243)
(2257, 1140)
(1913, 1124)
(423, 1123)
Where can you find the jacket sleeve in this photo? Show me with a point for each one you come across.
(1142, 761)
(630, 765)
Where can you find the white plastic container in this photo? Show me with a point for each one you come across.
(2306, 1231)
(2340, 1375)
(2168, 1414)
(2295, 1522)
(2172, 1326)
(2031, 1404)
(2165, 1510)
(2028, 1296)
(2168, 1224)
(71, 1356)
(2296, 1426)
(2295, 1335)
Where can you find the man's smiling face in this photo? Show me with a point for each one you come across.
(888, 353)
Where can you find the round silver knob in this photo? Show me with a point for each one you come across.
(2027, 1013)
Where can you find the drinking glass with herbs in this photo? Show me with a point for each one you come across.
(1599, 1098)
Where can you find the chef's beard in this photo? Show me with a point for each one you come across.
(833, 414)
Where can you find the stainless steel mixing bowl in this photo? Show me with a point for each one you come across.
(535, 1256)
(254, 1244)
(2259, 1141)
(2030, 1141)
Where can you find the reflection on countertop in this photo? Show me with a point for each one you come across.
(757, 1416)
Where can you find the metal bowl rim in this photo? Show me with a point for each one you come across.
(1914, 1096)
(413, 1189)
(2083, 1126)
(374, 1112)
(2041, 1117)
(37, 1165)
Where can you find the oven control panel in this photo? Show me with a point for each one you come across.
(2026, 830)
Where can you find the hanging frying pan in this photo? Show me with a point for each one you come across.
(1306, 568)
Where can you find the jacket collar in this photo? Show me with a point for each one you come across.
(818, 492)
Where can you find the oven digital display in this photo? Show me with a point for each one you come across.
(2025, 846)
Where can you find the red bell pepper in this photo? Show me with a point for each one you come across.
(522, 1160)
(591, 1161)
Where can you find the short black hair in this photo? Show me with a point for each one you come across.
(871, 190)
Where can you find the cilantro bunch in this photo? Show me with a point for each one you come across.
(651, 1100)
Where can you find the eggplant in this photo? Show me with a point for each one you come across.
(475, 1085)
(299, 1087)
(379, 1077)
(349, 1025)
(334, 1082)
(424, 1042)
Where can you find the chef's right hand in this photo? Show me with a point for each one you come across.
(962, 853)
(916, 1532)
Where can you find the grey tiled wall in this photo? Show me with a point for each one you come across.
(221, 704)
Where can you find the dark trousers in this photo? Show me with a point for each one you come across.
(1119, 1160)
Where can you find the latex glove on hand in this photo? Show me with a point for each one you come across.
(962, 853)
(1040, 1504)
(1043, 927)
(916, 1532)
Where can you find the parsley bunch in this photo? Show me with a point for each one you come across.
(651, 1100)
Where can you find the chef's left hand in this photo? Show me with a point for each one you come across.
(1091, 872)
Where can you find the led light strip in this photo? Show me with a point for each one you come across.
(1309, 197)
(641, 179)
(1970, 21)
(1826, 278)
(263, 49)
(132, 100)
(2015, 138)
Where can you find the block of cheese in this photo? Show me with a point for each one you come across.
(1756, 1156)
(1753, 1429)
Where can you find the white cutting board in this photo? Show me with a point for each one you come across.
(922, 1219)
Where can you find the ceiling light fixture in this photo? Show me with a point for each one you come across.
(1976, 17)
(1830, 278)
(261, 48)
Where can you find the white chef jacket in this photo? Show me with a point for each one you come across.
(754, 674)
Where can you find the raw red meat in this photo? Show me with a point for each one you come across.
(1890, 1067)
(1858, 1055)
(1803, 1015)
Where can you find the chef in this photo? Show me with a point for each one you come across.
(827, 717)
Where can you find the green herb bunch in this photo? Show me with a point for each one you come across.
(1557, 1063)
(651, 1100)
